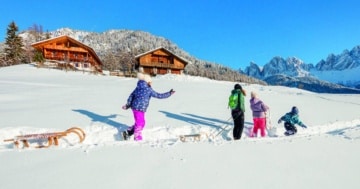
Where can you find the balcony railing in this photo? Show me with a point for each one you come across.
(161, 65)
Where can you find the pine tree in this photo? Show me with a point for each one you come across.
(14, 45)
(39, 58)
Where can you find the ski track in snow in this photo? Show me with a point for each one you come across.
(98, 135)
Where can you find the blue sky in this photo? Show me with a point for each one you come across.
(228, 32)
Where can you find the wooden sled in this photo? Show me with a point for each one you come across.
(193, 137)
(52, 138)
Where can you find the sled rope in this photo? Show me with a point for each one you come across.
(52, 138)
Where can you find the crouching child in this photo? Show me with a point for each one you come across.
(291, 118)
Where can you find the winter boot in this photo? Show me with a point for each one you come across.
(289, 132)
(125, 135)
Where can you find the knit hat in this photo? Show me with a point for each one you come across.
(237, 86)
(294, 110)
(147, 78)
(253, 94)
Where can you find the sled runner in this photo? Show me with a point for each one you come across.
(195, 137)
(52, 138)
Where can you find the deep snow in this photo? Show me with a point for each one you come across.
(37, 100)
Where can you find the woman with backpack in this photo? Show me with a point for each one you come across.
(236, 103)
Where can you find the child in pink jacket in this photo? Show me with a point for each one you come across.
(258, 111)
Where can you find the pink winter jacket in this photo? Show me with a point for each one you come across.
(258, 108)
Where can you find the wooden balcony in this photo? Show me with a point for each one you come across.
(160, 65)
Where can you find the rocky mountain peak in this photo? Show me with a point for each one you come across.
(346, 60)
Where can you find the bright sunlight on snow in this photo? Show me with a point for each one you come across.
(37, 100)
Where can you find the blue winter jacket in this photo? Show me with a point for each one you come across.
(139, 99)
(292, 119)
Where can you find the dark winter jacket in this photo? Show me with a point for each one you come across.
(139, 99)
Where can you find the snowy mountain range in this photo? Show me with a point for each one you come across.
(337, 71)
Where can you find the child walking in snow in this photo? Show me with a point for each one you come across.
(291, 118)
(139, 101)
(259, 109)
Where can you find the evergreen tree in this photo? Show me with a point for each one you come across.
(14, 45)
(39, 58)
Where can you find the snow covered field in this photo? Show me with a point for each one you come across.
(33, 100)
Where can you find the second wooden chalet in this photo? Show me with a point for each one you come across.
(65, 50)
(160, 61)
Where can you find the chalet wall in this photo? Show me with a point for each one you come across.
(71, 52)
(179, 64)
(161, 62)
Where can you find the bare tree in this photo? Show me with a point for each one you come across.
(37, 32)
(109, 62)
(127, 62)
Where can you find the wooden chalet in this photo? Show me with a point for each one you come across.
(160, 61)
(64, 50)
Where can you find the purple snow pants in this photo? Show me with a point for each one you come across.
(139, 118)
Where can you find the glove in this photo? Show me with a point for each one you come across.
(279, 121)
(304, 126)
(172, 91)
(125, 107)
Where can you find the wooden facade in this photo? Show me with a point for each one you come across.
(68, 51)
(160, 61)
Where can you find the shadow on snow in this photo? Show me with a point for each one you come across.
(343, 132)
(105, 119)
(218, 124)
